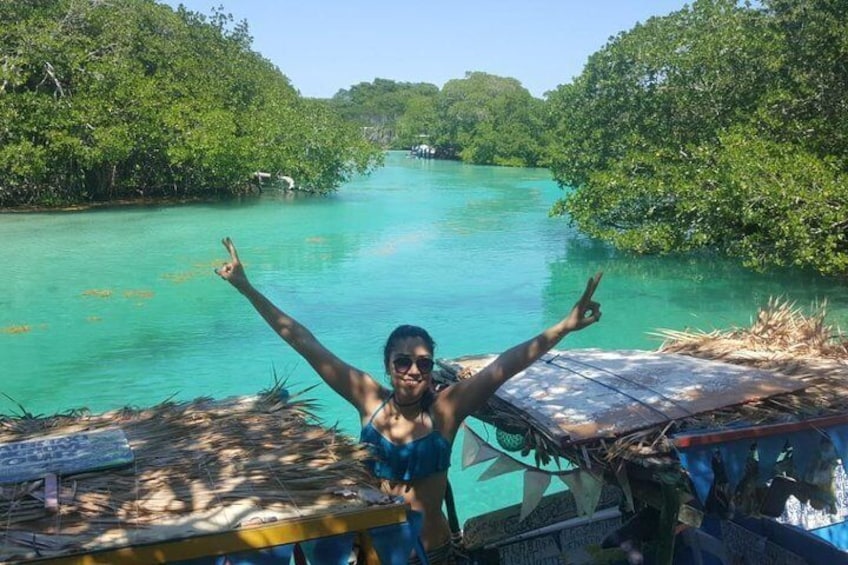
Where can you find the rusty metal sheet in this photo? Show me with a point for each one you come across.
(585, 394)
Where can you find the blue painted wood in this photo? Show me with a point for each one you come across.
(63, 455)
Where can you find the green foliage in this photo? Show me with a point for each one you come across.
(720, 126)
(481, 119)
(489, 120)
(784, 205)
(392, 113)
(107, 101)
(418, 120)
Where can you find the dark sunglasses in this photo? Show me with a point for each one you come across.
(403, 363)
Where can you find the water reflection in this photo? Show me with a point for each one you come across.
(642, 294)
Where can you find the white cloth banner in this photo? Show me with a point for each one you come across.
(586, 489)
(503, 464)
(475, 450)
(535, 485)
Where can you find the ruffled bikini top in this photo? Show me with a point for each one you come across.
(407, 461)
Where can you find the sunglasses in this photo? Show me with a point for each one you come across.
(403, 363)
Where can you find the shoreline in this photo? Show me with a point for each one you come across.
(148, 202)
(123, 203)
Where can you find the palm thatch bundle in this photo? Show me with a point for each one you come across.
(782, 338)
(203, 464)
(780, 333)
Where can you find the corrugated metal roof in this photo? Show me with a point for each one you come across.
(583, 395)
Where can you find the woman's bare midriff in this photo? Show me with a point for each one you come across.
(425, 495)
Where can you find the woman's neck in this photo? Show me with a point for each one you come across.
(409, 410)
(407, 404)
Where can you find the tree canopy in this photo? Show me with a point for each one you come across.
(105, 101)
(720, 126)
(481, 119)
(381, 106)
(490, 120)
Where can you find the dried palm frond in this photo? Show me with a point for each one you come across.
(781, 330)
(782, 338)
(192, 460)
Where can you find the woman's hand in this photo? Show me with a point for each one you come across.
(233, 272)
(469, 395)
(586, 312)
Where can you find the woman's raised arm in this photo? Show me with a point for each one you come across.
(355, 386)
(471, 394)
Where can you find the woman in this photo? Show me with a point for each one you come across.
(409, 428)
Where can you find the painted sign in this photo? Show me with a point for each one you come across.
(63, 455)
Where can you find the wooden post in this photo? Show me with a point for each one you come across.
(668, 523)
(367, 553)
(51, 492)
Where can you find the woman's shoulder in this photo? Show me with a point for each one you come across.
(374, 401)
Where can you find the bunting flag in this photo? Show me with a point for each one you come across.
(807, 449)
(333, 550)
(280, 554)
(698, 464)
(502, 465)
(535, 485)
(584, 485)
(839, 437)
(768, 450)
(624, 483)
(586, 489)
(698, 461)
(808, 446)
(475, 450)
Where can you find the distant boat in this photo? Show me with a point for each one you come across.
(261, 177)
(423, 151)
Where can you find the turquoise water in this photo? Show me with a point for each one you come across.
(121, 307)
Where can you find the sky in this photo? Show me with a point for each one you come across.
(323, 46)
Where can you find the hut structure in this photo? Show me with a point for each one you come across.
(248, 479)
(720, 447)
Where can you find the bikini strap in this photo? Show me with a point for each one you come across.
(374, 413)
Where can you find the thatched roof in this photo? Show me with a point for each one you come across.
(198, 466)
(782, 339)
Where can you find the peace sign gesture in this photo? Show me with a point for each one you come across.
(586, 312)
(232, 272)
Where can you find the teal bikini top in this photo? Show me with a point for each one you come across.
(407, 461)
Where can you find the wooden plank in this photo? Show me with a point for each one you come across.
(586, 394)
(760, 431)
(492, 528)
(63, 455)
(255, 538)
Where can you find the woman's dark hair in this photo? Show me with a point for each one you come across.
(405, 332)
